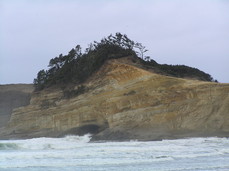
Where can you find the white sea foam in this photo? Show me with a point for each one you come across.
(75, 153)
(67, 142)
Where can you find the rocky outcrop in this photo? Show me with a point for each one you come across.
(124, 101)
(13, 96)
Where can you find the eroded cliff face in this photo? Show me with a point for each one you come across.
(124, 102)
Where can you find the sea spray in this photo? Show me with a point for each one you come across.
(8, 146)
(75, 153)
(67, 142)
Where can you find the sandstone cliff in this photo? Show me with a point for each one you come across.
(124, 101)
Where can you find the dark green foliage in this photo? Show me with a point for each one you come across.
(41, 79)
(185, 71)
(181, 71)
(76, 67)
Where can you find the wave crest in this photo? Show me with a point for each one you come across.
(8, 146)
(68, 142)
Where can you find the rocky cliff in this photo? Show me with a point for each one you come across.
(124, 101)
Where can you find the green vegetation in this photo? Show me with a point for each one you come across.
(76, 67)
(180, 71)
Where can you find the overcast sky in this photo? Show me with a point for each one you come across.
(189, 32)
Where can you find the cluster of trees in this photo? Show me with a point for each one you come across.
(181, 71)
(76, 66)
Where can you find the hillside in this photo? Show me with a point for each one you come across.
(13, 96)
(124, 100)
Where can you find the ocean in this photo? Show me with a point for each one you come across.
(74, 153)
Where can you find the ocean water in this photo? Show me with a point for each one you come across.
(77, 153)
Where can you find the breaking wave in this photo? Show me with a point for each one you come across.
(75, 153)
(68, 142)
(8, 146)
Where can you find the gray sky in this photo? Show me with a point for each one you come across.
(189, 32)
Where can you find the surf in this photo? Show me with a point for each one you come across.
(67, 142)
(76, 153)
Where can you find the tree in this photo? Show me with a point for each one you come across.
(40, 80)
(90, 48)
(76, 67)
(142, 49)
(78, 51)
(55, 63)
(129, 44)
(71, 56)
(147, 58)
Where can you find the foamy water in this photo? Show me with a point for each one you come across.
(76, 153)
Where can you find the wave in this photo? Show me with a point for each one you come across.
(68, 142)
(8, 146)
(75, 153)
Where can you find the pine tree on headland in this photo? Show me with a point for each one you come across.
(76, 67)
